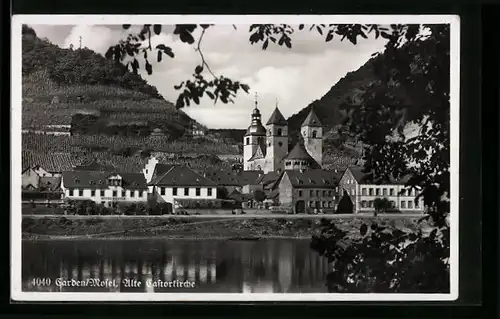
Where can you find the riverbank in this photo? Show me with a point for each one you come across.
(51, 228)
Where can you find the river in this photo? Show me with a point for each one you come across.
(201, 266)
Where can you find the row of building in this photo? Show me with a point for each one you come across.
(299, 191)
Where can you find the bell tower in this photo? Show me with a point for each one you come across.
(254, 137)
(277, 140)
(312, 132)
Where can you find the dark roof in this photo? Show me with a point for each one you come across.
(97, 179)
(316, 178)
(49, 183)
(268, 178)
(160, 171)
(364, 178)
(223, 177)
(51, 162)
(93, 165)
(311, 119)
(249, 177)
(180, 175)
(299, 153)
(276, 118)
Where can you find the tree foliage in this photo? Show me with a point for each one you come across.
(382, 204)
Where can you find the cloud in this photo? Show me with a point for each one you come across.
(294, 77)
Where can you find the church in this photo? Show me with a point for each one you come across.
(266, 148)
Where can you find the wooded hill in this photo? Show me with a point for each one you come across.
(59, 83)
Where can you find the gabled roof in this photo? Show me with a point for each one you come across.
(312, 120)
(364, 178)
(268, 178)
(160, 171)
(276, 118)
(97, 179)
(316, 178)
(258, 154)
(179, 175)
(299, 153)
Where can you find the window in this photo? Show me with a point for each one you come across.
(300, 193)
(132, 193)
(162, 190)
(325, 204)
(311, 204)
(325, 193)
(330, 193)
(103, 203)
(279, 132)
(288, 163)
(280, 144)
(115, 194)
(311, 193)
(209, 191)
(377, 192)
(370, 204)
(248, 141)
(403, 204)
(393, 204)
(330, 204)
(317, 193)
(186, 191)
(198, 191)
(384, 192)
(363, 204)
(363, 191)
(314, 134)
(370, 191)
(174, 191)
(410, 204)
(391, 192)
(409, 192)
(146, 170)
(403, 192)
(70, 192)
(102, 192)
(417, 204)
(92, 192)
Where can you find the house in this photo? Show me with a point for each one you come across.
(107, 188)
(363, 192)
(170, 183)
(305, 191)
(30, 179)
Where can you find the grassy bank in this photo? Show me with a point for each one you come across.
(189, 228)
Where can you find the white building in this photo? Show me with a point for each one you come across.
(107, 188)
(363, 193)
(169, 182)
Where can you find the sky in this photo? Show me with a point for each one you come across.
(290, 78)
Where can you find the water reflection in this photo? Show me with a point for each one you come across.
(277, 266)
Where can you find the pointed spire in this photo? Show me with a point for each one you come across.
(276, 118)
(256, 96)
(312, 120)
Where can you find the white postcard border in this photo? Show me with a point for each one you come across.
(16, 218)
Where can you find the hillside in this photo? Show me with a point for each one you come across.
(328, 107)
(60, 83)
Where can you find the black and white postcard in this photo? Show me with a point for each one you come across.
(235, 158)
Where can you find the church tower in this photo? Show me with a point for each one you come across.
(253, 139)
(312, 132)
(277, 141)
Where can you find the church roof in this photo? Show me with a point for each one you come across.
(299, 153)
(311, 120)
(276, 118)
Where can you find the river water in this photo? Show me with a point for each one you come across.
(221, 266)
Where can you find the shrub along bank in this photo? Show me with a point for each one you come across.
(190, 228)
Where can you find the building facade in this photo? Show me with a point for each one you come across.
(308, 191)
(168, 183)
(106, 188)
(363, 193)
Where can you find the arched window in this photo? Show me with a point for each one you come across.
(314, 134)
(248, 140)
(280, 144)
(259, 168)
(279, 132)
